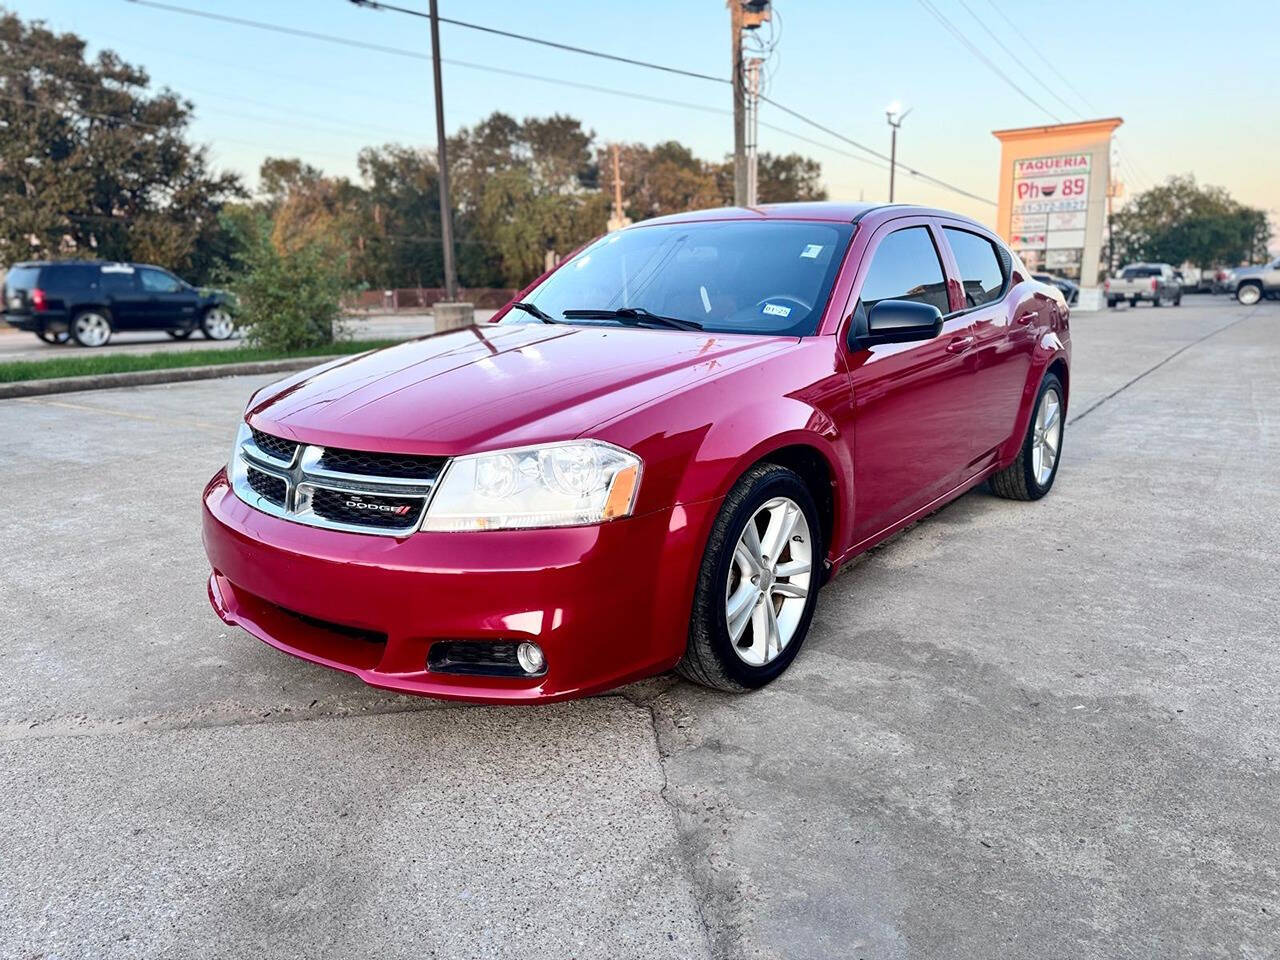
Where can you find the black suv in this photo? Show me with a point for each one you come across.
(88, 300)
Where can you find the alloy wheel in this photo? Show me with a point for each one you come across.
(1047, 437)
(218, 324)
(1249, 294)
(92, 329)
(769, 580)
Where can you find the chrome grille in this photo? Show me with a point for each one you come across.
(332, 488)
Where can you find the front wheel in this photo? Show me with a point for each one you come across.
(1249, 293)
(217, 324)
(1031, 475)
(758, 583)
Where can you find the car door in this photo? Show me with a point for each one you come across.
(170, 302)
(124, 296)
(1004, 334)
(911, 441)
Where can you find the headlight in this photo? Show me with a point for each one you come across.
(556, 485)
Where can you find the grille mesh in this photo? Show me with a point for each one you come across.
(276, 447)
(400, 466)
(266, 486)
(333, 505)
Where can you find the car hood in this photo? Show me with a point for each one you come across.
(494, 386)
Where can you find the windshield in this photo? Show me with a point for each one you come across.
(753, 276)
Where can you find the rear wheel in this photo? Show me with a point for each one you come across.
(758, 583)
(1031, 476)
(1133, 302)
(1157, 300)
(1112, 302)
(181, 334)
(49, 336)
(91, 328)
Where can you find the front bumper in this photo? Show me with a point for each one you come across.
(608, 603)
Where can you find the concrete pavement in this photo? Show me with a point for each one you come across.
(1017, 730)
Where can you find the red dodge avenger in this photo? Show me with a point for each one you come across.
(652, 459)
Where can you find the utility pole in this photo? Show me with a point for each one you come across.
(743, 15)
(446, 215)
(619, 218)
(739, 108)
(753, 131)
(894, 114)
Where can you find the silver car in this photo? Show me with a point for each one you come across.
(1251, 284)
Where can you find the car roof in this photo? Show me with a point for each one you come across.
(825, 210)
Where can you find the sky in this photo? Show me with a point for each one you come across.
(1193, 100)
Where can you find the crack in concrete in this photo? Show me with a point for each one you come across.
(1150, 370)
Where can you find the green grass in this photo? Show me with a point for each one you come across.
(81, 363)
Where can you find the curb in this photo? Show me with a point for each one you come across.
(139, 378)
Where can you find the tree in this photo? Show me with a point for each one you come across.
(788, 178)
(93, 164)
(1182, 222)
(287, 300)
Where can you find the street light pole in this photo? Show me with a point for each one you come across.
(446, 216)
(895, 115)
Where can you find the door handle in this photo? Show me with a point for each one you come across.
(959, 344)
(1026, 318)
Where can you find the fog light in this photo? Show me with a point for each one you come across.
(530, 658)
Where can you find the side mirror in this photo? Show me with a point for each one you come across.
(898, 321)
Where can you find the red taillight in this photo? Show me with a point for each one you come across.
(1106, 286)
(1153, 283)
(37, 299)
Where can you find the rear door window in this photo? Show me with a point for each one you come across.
(1137, 273)
(979, 264)
(906, 266)
(116, 279)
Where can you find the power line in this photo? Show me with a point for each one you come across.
(1015, 57)
(416, 55)
(1047, 61)
(959, 35)
(378, 5)
(877, 154)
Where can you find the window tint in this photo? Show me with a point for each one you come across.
(980, 273)
(22, 278)
(1134, 273)
(157, 281)
(117, 280)
(70, 278)
(905, 266)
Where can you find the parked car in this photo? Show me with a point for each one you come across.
(1070, 289)
(1153, 282)
(1251, 284)
(653, 459)
(88, 300)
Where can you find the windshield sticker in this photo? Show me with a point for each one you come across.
(812, 251)
(706, 301)
(777, 310)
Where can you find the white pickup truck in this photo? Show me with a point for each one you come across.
(1155, 282)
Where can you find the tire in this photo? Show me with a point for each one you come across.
(91, 328)
(1249, 293)
(711, 656)
(1019, 480)
(1157, 301)
(1177, 301)
(60, 337)
(1112, 302)
(181, 334)
(1134, 303)
(216, 323)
